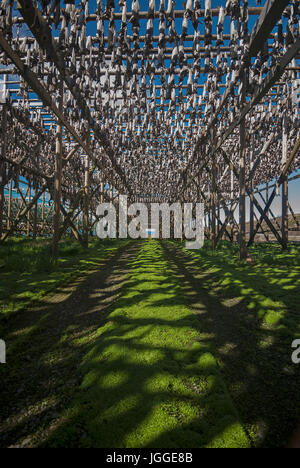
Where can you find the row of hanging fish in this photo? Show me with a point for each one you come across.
(153, 96)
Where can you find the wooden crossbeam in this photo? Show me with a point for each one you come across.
(143, 15)
(258, 159)
(278, 184)
(23, 213)
(268, 18)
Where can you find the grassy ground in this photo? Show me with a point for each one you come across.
(146, 344)
(252, 312)
(41, 375)
(28, 272)
(149, 378)
(269, 288)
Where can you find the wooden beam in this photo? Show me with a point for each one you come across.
(22, 214)
(280, 181)
(58, 176)
(242, 180)
(9, 208)
(285, 187)
(86, 199)
(267, 20)
(2, 165)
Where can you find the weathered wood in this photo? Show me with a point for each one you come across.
(58, 178)
(242, 180)
(2, 165)
(9, 207)
(29, 212)
(86, 200)
(285, 188)
(22, 214)
(280, 181)
(268, 18)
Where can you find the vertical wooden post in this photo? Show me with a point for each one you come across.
(102, 191)
(35, 213)
(251, 203)
(242, 181)
(58, 178)
(28, 214)
(267, 201)
(86, 196)
(213, 203)
(9, 210)
(43, 213)
(2, 165)
(231, 204)
(78, 222)
(285, 190)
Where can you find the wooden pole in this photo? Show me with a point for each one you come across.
(2, 166)
(242, 181)
(9, 210)
(267, 201)
(251, 221)
(285, 189)
(213, 203)
(102, 190)
(28, 214)
(35, 214)
(58, 178)
(86, 221)
(43, 214)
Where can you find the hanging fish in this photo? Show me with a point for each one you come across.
(220, 26)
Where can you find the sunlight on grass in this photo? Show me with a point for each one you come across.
(29, 272)
(270, 288)
(149, 379)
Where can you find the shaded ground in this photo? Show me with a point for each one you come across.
(42, 376)
(28, 272)
(251, 336)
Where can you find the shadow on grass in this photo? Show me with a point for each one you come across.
(41, 371)
(252, 313)
(28, 272)
(147, 379)
(148, 376)
(123, 362)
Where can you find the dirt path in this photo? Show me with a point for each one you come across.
(263, 389)
(43, 357)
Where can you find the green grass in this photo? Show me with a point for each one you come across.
(148, 371)
(28, 272)
(269, 288)
(253, 312)
(149, 378)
